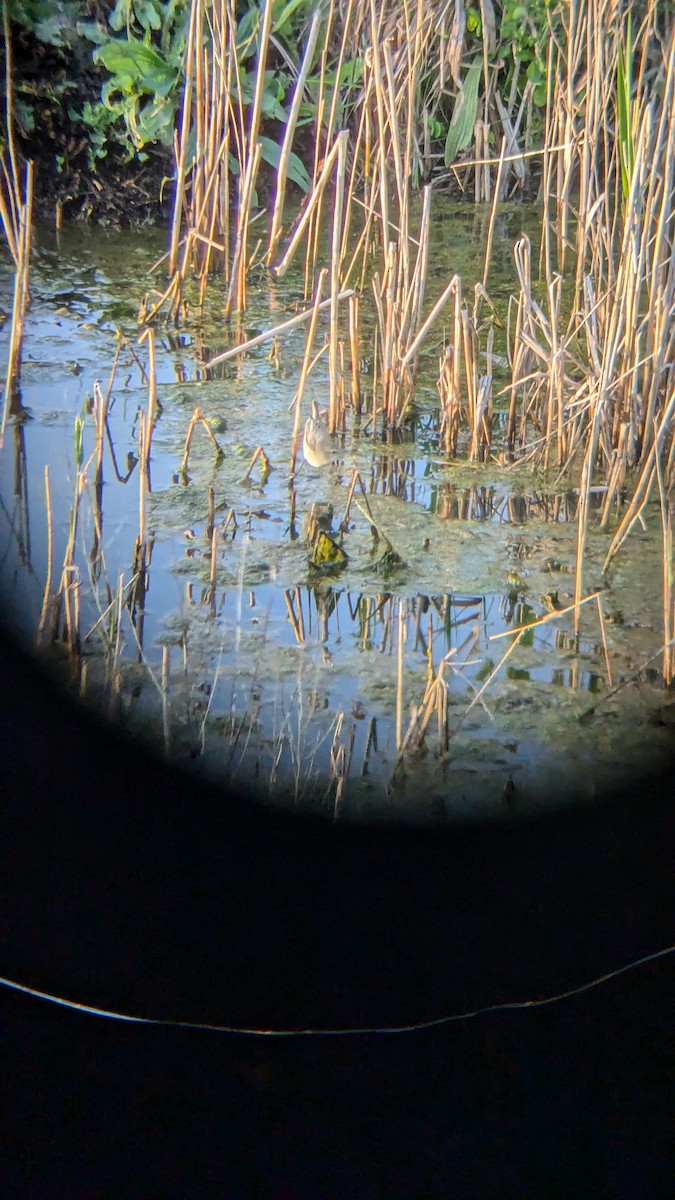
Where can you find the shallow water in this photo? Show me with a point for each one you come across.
(284, 676)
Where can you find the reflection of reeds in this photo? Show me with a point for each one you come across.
(16, 204)
(46, 599)
(590, 384)
(20, 301)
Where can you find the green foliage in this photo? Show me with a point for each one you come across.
(460, 130)
(142, 51)
(271, 153)
(514, 38)
(624, 87)
(523, 34)
(145, 67)
(50, 21)
(139, 50)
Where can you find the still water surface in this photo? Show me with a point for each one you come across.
(303, 683)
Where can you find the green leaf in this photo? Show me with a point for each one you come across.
(271, 153)
(120, 83)
(460, 130)
(120, 17)
(624, 87)
(279, 22)
(247, 33)
(24, 115)
(93, 32)
(53, 31)
(135, 63)
(155, 123)
(78, 438)
(271, 108)
(146, 14)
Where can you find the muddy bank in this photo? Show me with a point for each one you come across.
(52, 85)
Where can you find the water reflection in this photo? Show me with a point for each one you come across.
(256, 667)
(15, 546)
(412, 481)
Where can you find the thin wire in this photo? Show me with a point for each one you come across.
(357, 1031)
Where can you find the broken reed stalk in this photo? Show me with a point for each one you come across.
(196, 417)
(601, 619)
(435, 700)
(259, 453)
(481, 420)
(450, 403)
(433, 315)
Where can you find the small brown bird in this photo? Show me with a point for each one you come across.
(317, 446)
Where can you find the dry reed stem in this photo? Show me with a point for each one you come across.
(601, 619)
(309, 209)
(214, 563)
(642, 489)
(435, 312)
(196, 417)
(282, 171)
(211, 501)
(21, 237)
(142, 476)
(336, 245)
(493, 213)
(12, 175)
(181, 160)
(258, 454)
(275, 331)
(295, 624)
